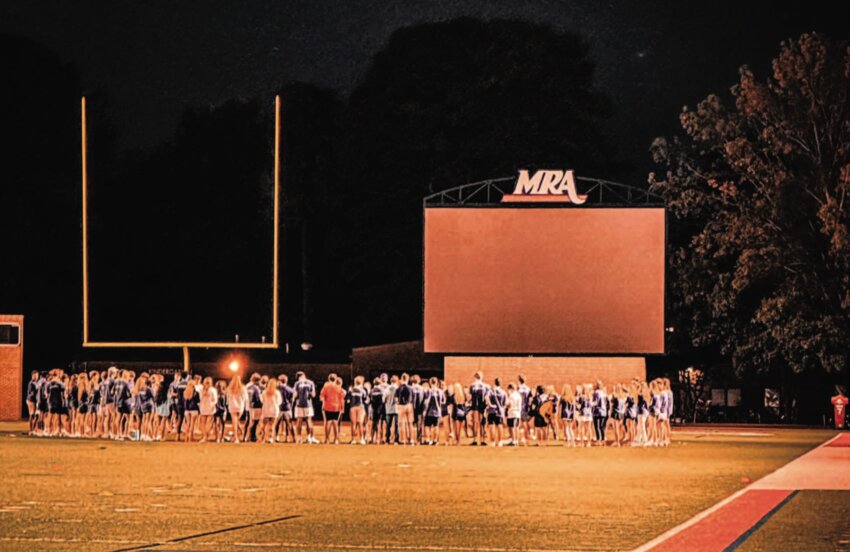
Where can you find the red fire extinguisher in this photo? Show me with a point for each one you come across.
(839, 404)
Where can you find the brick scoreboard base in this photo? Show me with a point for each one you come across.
(546, 370)
(11, 371)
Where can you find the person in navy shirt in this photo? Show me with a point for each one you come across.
(57, 405)
(32, 399)
(284, 423)
(497, 400)
(434, 399)
(418, 407)
(379, 413)
(478, 396)
(600, 413)
(305, 392)
(357, 398)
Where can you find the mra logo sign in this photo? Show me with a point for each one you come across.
(545, 185)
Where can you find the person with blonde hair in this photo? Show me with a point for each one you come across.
(567, 410)
(668, 415)
(191, 399)
(459, 411)
(144, 400)
(271, 410)
(237, 402)
(206, 406)
(585, 407)
(90, 424)
(643, 398)
(82, 391)
(357, 399)
(618, 409)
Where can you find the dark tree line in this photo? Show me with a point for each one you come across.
(180, 234)
(759, 185)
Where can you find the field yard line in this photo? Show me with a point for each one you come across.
(208, 533)
(705, 513)
(431, 548)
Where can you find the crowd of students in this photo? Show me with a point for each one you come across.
(400, 410)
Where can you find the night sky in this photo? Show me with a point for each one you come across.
(147, 63)
(154, 58)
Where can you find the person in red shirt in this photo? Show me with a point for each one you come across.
(839, 403)
(333, 399)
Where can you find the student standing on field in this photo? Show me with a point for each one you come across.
(514, 414)
(287, 396)
(379, 413)
(305, 392)
(391, 407)
(478, 396)
(332, 397)
(357, 399)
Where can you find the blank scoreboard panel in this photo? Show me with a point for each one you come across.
(544, 280)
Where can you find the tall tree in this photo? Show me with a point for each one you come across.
(442, 105)
(759, 186)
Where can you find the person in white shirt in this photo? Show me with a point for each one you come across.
(208, 398)
(514, 414)
(271, 410)
(237, 401)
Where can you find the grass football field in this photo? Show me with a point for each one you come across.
(75, 494)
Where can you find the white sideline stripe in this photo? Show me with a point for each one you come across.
(298, 545)
(723, 433)
(302, 545)
(705, 513)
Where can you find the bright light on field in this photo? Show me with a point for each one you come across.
(234, 366)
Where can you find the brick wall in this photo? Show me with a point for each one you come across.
(546, 370)
(11, 371)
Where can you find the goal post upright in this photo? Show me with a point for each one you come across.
(184, 345)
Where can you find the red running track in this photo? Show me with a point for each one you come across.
(843, 440)
(724, 526)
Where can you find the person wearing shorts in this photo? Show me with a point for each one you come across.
(332, 397)
(305, 392)
(237, 402)
(514, 411)
(255, 407)
(404, 401)
(391, 408)
(525, 416)
(496, 401)
(434, 399)
(379, 414)
(478, 396)
(357, 399)
(32, 399)
(287, 397)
